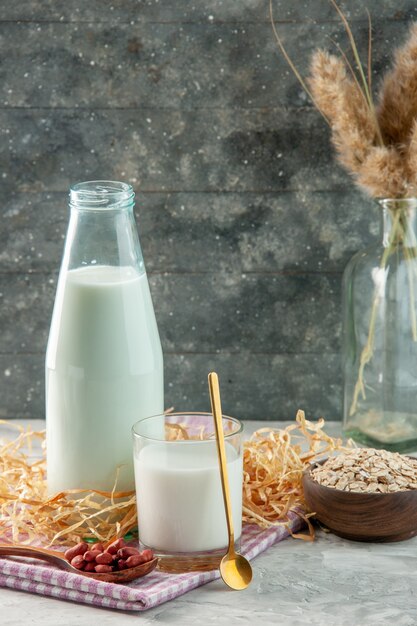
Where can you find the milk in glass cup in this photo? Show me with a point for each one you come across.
(178, 488)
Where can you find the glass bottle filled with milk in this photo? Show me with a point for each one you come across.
(104, 364)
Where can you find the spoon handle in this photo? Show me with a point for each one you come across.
(218, 421)
(51, 556)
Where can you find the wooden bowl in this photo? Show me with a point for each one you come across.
(362, 516)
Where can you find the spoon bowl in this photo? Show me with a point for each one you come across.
(57, 558)
(236, 571)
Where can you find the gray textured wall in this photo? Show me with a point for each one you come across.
(245, 220)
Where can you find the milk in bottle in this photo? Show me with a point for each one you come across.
(104, 365)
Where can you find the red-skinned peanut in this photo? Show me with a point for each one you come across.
(135, 560)
(103, 569)
(80, 548)
(104, 558)
(116, 545)
(98, 546)
(147, 554)
(90, 567)
(91, 555)
(125, 553)
(78, 562)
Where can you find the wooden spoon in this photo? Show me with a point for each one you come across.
(235, 570)
(57, 558)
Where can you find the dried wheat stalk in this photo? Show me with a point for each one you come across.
(377, 145)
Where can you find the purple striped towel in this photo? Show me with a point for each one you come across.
(144, 593)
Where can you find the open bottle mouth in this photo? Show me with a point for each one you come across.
(395, 204)
(101, 195)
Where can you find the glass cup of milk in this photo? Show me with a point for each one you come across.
(178, 488)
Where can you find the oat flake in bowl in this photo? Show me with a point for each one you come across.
(367, 470)
(364, 494)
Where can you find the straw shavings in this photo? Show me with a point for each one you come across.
(273, 464)
(273, 459)
(28, 515)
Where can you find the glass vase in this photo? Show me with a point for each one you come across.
(380, 334)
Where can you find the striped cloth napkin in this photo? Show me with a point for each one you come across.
(144, 593)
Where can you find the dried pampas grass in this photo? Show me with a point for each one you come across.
(385, 174)
(354, 127)
(397, 109)
(376, 144)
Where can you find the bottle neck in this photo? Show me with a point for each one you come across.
(102, 229)
(399, 222)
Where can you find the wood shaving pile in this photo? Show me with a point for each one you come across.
(366, 470)
(28, 515)
(274, 461)
(273, 464)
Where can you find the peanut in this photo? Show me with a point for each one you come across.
(78, 562)
(104, 558)
(135, 560)
(90, 567)
(125, 553)
(115, 546)
(80, 548)
(147, 555)
(91, 555)
(98, 546)
(103, 569)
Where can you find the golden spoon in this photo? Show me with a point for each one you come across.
(235, 570)
(57, 558)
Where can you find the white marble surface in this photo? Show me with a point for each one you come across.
(330, 582)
